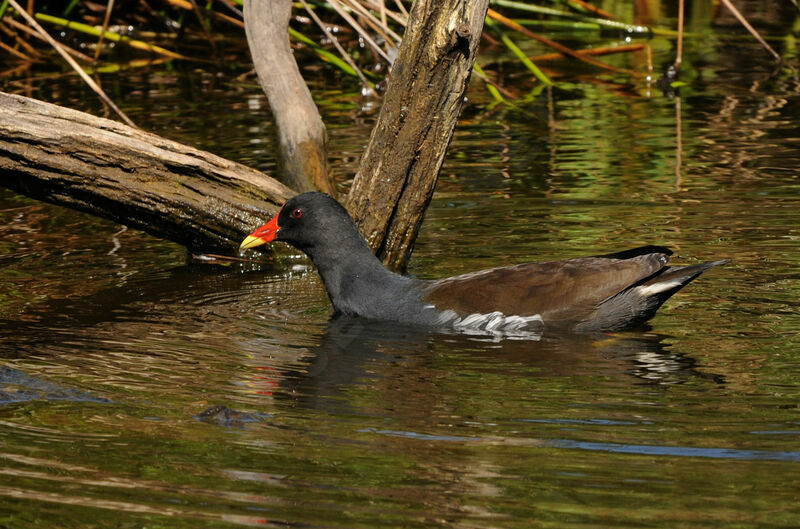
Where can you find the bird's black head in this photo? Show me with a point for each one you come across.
(306, 221)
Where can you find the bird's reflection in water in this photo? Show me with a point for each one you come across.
(243, 312)
(355, 351)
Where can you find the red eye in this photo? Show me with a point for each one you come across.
(297, 213)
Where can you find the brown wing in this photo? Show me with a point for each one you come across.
(560, 291)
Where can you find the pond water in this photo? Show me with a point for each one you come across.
(113, 348)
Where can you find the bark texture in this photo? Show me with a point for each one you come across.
(138, 179)
(301, 133)
(426, 90)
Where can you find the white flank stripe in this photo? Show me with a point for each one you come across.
(655, 288)
(494, 322)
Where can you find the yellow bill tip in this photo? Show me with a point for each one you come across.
(251, 242)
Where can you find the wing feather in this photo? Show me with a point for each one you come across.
(560, 291)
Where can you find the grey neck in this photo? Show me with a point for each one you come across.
(357, 282)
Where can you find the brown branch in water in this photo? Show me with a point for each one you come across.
(6, 28)
(679, 57)
(88, 80)
(596, 10)
(16, 71)
(356, 26)
(183, 4)
(485, 78)
(25, 29)
(342, 52)
(383, 13)
(751, 29)
(202, 23)
(390, 37)
(106, 21)
(401, 8)
(555, 45)
(14, 52)
(607, 50)
(387, 13)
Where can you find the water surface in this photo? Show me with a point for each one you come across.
(112, 346)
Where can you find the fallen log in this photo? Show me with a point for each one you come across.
(141, 180)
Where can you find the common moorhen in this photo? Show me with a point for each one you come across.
(601, 293)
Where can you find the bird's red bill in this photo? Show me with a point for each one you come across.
(262, 235)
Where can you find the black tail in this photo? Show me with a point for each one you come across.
(639, 302)
(670, 280)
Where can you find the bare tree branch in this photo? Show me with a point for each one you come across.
(302, 136)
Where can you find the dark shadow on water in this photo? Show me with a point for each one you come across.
(352, 351)
(192, 284)
(18, 386)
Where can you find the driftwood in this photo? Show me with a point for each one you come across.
(301, 133)
(426, 90)
(206, 202)
(138, 179)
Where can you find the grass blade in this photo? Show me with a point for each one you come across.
(108, 35)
